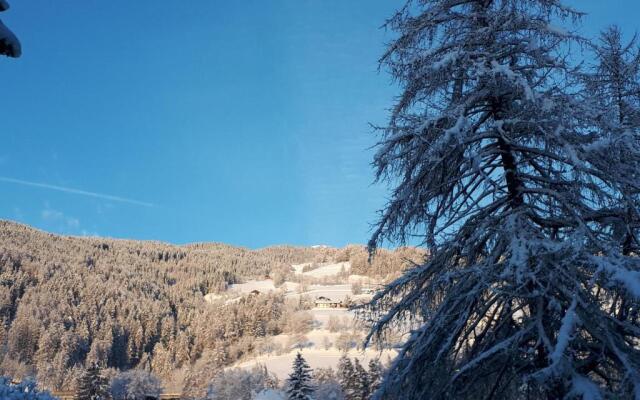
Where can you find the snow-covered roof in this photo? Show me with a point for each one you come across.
(326, 301)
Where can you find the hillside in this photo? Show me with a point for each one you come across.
(66, 302)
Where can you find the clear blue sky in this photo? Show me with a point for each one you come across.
(243, 122)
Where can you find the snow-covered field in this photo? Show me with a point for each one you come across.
(297, 268)
(280, 365)
(332, 270)
(327, 270)
(333, 292)
(264, 286)
(322, 315)
(212, 297)
(320, 348)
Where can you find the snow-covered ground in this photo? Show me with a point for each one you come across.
(264, 286)
(365, 280)
(280, 365)
(321, 270)
(292, 289)
(328, 270)
(333, 292)
(213, 297)
(320, 347)
(297, 268)
(322, 315)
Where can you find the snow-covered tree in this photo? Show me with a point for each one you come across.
(299, 383)
(135, 384)
(21, 391)
(270, 394)
(9, 43)
(375, 374)
(327, 385)
(614, 82)
(362, 384)
(92, 385)
(347, 377)
(613, 85)
(500, 167)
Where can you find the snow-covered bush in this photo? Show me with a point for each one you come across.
(327, 385)
(271, 394)
(135, 385)
(239, 384)
(25, 390)
(299, 322)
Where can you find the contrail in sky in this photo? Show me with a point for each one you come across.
(76, 191)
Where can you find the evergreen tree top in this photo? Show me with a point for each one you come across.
(92, 385)
(299, 386)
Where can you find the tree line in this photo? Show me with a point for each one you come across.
(349, 381)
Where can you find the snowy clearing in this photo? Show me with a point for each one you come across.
(328, 270)
(280, 365)
(264, 286)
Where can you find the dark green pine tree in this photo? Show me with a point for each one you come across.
(92, 385)
(299, 383)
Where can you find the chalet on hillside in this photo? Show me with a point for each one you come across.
(325, 302)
